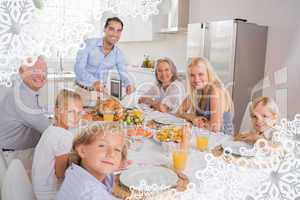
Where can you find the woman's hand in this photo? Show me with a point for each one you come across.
(145, 100)
(249, 138)
(200, 122)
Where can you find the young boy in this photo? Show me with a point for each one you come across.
(98, 151)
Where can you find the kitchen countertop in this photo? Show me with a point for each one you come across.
(59, 75)
(130, 68)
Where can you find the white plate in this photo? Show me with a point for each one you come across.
(239, 148)
(163, 177)
(155, 138)
(170, 120)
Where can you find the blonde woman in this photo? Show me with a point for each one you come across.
(264, 115)
(208, 104)
(168, 92)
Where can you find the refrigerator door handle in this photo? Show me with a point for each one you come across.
(203, 30)
(205, 41)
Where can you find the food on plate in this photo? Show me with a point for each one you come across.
(170, 134)
(134, 117)
(138, 131)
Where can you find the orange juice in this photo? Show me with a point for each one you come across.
(108, 117)
(179, 159)
(202, 143)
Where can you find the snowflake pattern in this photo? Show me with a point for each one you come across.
(273, 174)
(133, 8)
(16, 27)
(283, 181)
(289, 135)
(145, 191)
(18, 35)
(222, 180)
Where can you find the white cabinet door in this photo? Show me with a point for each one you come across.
(135, 29)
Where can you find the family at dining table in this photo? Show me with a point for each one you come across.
(80, 166)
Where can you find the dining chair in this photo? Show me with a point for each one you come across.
(3, 168)
(3, 91)
(16, 183)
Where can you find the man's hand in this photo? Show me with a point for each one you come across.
(129, 89)
(98, 86)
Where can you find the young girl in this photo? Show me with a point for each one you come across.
(168, 92)
(264, 114)
(208, 100)
(51, 154)
(98, 151)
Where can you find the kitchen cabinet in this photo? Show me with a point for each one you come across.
(136, 29)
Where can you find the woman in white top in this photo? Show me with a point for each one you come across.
(50, 158)
(168, 92)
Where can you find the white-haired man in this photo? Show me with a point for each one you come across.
(22, 118)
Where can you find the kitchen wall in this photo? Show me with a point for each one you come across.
(283, 46)
(282, 18)
(163, 45)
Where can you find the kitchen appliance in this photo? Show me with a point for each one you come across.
(116, 88)
(237, 51)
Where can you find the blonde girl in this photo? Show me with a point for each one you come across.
(264, 115)
(51, 153)
(208, 102)
(98, 151)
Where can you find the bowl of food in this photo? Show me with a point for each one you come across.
(169, 134)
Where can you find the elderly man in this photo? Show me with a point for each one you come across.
(98, 57)
(22, 119)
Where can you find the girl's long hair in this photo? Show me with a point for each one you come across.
(200, 99)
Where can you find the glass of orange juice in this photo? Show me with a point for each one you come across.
(201, 138)
(179, 159)
(202, 142)
(108, 116)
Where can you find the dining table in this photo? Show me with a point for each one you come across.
(224, 173)
(213, 173)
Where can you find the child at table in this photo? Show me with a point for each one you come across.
(264, 114)
(51, 154)
(98, 151)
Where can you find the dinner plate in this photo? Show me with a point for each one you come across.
(239, 148)
(155, 138)
(146, 177)
(170, 120)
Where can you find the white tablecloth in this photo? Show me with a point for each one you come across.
(152, 153)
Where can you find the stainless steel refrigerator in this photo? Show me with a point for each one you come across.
(237, 51)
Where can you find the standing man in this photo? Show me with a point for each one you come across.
(98, 57)
(22, 118)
